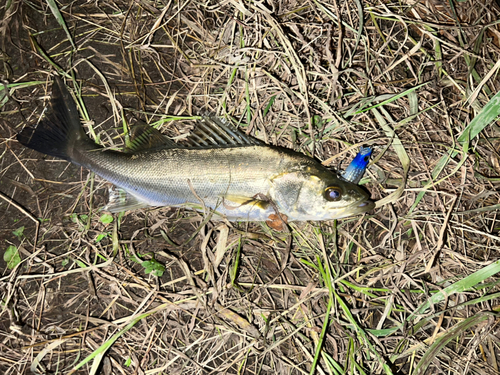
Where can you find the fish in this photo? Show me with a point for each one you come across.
(356, 169)
(220, 170)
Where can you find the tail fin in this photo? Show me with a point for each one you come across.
(60, 129)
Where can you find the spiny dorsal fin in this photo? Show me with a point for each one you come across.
(212, 131)
(144, 137)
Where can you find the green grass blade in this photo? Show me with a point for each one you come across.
(60, 20)
(449, 335)
(402, 155)
(460, 286)
(488, 114)
(324, 329)
(269, 105)
(465, 149)
(392, 98)
(97, 354)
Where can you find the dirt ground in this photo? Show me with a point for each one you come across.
(409, 288)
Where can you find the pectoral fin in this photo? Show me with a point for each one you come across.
(120, 200)
(236, 201)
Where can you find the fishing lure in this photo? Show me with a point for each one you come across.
(355, 171)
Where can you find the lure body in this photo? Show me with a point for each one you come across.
(356, 169)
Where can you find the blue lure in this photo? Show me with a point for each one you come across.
(355, 171)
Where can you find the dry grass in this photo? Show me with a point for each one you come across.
(408, 289)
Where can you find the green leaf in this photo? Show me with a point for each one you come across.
(19, 233)
(317, 121)
(269, 105)
(136, 259)
(154, 267)
(78, 219)
(101, 236)
(12, 257)
(106, 218)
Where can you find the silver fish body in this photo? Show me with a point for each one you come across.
(238, 178)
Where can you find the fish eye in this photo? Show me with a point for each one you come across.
(333, 193)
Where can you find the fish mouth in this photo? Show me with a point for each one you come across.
(361, 207)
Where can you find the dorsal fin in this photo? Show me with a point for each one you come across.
(212, 131)
(144, 137)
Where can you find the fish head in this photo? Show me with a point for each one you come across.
(318, 194)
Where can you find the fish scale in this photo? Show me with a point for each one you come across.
(213, 174)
